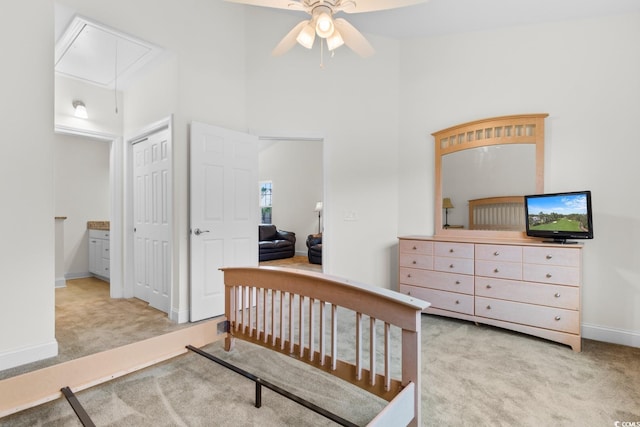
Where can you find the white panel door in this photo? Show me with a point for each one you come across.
(224, 212)
(152, 232)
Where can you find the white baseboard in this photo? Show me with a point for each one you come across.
(61, 282)
(71, 276)
(13, 358)
(611, 335)
(181, 316)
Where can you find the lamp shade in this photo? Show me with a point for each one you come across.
(80, 110)
(318, 207)
(335, 40)
(324, 25)
(446, 203)
(306, 36)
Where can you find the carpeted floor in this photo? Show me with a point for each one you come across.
(471, 376)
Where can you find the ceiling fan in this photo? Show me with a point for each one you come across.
(336, 31)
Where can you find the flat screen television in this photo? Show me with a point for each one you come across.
(559, 216)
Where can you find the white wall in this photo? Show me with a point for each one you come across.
(82, 192)
(26, 185)
(585, 75)
(201, 78)
(295, 169)
(101, 107)
(353, 103)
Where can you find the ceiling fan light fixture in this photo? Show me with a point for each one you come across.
(307, 36)
(335, 40)
(324, 25)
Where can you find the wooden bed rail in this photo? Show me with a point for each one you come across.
(295, 312)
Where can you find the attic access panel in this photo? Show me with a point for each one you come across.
(99, 55)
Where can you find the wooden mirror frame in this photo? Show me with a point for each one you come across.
(517, 129)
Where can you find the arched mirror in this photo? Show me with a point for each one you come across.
(483, 169)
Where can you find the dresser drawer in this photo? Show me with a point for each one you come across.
(499, 253)
(557, 319)
(551, 274)
(567, 297)
(443, 300)
(453, 265)
(503, 270)
(461, 283)
(416, 247)
(552, 256)
(457, 250)
(416, 261)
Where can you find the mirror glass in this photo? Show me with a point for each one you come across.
(490, 171)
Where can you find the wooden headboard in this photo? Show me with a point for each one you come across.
(497, 213)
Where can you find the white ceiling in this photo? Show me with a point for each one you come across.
(438, 17)
(99, 55)
(92, 58)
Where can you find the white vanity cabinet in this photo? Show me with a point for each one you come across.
(99, 258)
(524, 286)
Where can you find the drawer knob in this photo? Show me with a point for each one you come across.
(548, 275)
(408, 292)
(549, 256)
(414, 261)
(451, 250)
(457, 282)
(415, 249)
(450, 265)
(496, 253)
(488, 307)
(488, 286)
(557, 318)
(557, 295)
(408, 275)
(496, 271)
(457, 302)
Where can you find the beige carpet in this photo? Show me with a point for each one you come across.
(89, 321)
(472, 375)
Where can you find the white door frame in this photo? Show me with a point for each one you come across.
(128, 212)
(326, 213)
(115, 188)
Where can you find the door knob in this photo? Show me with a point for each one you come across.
(198, 232)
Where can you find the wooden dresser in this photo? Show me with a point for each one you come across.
(520, 285)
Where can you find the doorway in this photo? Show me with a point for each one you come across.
(295, 168)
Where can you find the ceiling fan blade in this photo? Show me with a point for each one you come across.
(350, 6)
(353, 38)
(277, 4)
(289, 40)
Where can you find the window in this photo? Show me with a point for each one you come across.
(265, 202)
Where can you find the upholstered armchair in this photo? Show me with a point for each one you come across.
(314, 243)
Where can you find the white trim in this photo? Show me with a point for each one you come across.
(66, 130)
(22, 356)
(179, 316)
(611, 335)
(81, 275)
(61, 282)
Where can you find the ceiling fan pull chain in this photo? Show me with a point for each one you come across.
(115, 78)
(321, 53)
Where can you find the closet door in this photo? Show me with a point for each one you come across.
(152, 225)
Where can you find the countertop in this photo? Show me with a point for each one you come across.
(98, 225)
